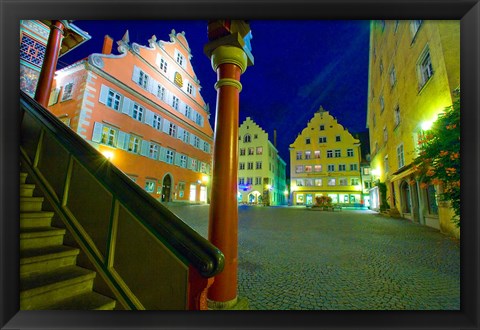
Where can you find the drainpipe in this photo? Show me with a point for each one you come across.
(44, 85)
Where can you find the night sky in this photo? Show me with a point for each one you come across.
(299, 65)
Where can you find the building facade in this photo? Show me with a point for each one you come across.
(261, 172)
(325, 160)
(414, 70)
(143, 110)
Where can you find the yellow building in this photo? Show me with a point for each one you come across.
(325, 160)
(414, 69)
(261, 172)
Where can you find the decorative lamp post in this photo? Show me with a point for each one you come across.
(230, 53)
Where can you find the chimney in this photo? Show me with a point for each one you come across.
(275, 138)
(107, 45)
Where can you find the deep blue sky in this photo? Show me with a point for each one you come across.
(299, 65)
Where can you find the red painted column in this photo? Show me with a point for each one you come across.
(223, 220)
(44, 85)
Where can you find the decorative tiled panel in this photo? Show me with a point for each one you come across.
(32, 51)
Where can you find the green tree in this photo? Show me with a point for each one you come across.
(438, 162)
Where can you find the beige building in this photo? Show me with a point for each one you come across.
(413, 72)
(325, 160)
(261, 172)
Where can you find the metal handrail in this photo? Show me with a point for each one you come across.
(159, 220)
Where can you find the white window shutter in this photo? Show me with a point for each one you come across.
(122, 141)
(103, 94)
(181, 106)
(163, 154)
(168, 97)
(166, 126)
(157, 61)
(136, 74)
(192, 139)
(127, 106)
(177, 159)
(97, 132)
(180, 132)
(148, 117)
(189, 163)
(144, 150)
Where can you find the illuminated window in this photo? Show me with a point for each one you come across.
(342, 182)
(250, 151)
(259, 150)
(300, 182)
(318, 182)
(317, 168)
(308, 154)
(308, 168)
(331, 182)
(299, 169)
(317, 154)
(150, 186)
(134, 144)
(109, 136)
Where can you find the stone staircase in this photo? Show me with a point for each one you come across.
(49, 276)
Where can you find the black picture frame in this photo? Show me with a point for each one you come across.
(13, 11)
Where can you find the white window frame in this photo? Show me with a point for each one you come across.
(67, 92)
(400, 156)
(424, 67)
(138, 112)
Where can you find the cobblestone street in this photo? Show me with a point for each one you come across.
(295, 258)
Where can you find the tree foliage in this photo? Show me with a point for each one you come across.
(438, 162)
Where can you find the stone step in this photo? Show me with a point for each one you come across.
(39, 237)
(26, 190)
(87, 301)
(38, 291)
(23, 177)
(35, 219)
(40, 260)
(31, 204)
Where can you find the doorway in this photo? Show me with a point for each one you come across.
(166, 188)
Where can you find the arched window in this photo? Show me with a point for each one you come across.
(247, 138)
